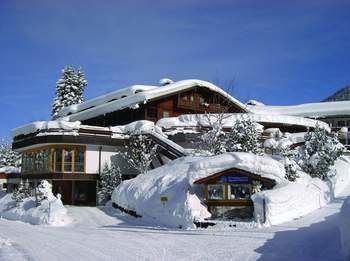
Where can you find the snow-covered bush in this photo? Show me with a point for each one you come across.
(8, 157)
(43, 191)
(140, 151)
(319, 152)
(69, 89)
(110, 178)
(214, 140)
(244, 137)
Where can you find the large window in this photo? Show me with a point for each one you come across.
(58, 158)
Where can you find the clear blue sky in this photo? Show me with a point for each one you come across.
(279, 52)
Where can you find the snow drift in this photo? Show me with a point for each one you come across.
(50, 211)
(295, 199)
(344, 228)
(174, 181)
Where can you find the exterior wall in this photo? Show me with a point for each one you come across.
(108, 154)
(92, 157)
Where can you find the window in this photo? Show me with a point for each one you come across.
(239, 191)
(216, 191)
(68, 160)
(341, 123)
(79, 160)
(61, 158)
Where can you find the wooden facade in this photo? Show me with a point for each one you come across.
(196, 100)
(227, 194)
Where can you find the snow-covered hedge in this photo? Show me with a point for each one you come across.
(49, 212)
(344, 227)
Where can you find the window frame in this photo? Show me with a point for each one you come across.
(51, 163)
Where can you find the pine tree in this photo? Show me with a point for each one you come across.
(214, 140)
(319, 152)
(110, 178)
(8, 157)
(244, 136)
(21, 193)
(140, 151)
(69, 89)
(290, 167)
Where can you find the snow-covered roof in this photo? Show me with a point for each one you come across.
(263, 166)
(311, 110)
(45, 125)
(196, 120)
(133, 96)
(9, 169)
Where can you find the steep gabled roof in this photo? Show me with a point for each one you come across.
(133, 96)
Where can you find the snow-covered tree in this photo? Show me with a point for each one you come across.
(319, 152)
(290, 167)
(69, 89)
(140, 151)
(214, 140)
(22, 192)
(110, 178)
(8, 157)
(244, 136)
(43, 191)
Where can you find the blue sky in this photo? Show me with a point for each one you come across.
(279, 52)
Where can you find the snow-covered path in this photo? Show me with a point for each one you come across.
(104, 237)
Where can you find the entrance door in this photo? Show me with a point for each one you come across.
(85, 193)
(64, 187)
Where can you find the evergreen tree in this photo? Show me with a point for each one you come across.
(21, 193)
(244, 136)
(8, 157)
(319, 152)
(291, 170)
(69, 89)
(141, 150)
(110, 178)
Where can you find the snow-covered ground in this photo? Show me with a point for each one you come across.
(107, 235)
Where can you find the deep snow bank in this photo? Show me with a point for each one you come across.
(49, 212)
(174, 181)
(295, 199)
(344, 228)
(290, 201)
(143, 195)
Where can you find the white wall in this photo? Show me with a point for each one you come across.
(108, 154)
(92, 157)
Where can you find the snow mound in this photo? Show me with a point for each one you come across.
(143, 195)
(344, 228)
(165, 81)
(49, 212)
(340, 175)
(296, 199)
(174, 182)
(290, 201)
(255, 103)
